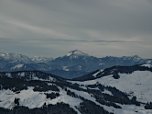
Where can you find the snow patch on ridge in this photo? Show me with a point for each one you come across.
(147, 65)
(95, 74)
(65, 68)
(18, 66)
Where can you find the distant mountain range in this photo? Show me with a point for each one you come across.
(116, 85)
(114, 90)
(74, 64)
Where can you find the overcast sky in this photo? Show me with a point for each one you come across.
(97, 27)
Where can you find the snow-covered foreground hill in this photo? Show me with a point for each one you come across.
(138, 83)
(117, 90)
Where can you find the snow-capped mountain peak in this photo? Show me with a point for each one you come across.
(14, 57)
(76, 53)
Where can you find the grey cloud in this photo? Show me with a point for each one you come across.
(79, 24)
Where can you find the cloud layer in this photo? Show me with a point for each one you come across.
(54, 27)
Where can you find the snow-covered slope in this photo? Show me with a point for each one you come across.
(37, 92)
(136, 84)
(133, 80)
